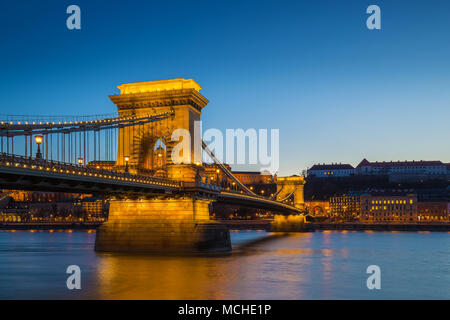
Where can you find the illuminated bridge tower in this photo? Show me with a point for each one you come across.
(136, 144)
(290, 189)
(178, 222)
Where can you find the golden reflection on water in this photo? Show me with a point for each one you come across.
(225, 277)
(145, 277)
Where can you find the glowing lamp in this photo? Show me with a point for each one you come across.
(38, 140)
(126, 163)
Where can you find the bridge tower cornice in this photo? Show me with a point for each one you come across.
(172, 98)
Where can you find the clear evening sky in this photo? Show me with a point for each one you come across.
(337, 91)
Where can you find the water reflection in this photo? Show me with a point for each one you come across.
(321, 265)
(244, 274)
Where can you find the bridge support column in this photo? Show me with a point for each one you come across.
(162, 226)
(290, 223)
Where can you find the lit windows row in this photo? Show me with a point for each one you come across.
(385, 208)
(391, 201)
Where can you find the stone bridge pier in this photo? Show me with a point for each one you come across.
(162, 226)
(174, 222)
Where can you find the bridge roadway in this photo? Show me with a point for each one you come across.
(227, 197)
(25, 173)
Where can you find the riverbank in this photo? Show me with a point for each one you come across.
(49, 225)
(377, 227)
(243, 225)
(321, 226)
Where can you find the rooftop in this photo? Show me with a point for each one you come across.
(413, 163)
(158, 85)
(333, 166)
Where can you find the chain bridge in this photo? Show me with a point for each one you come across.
(156, 205)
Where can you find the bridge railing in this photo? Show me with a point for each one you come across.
(55, 118)
(241, 192)
(9, 160)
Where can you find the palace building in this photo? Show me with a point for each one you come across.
(366, 167)
(385, 168)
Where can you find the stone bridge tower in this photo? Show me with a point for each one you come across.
(294, 185)
(137, 143)
(290, 187)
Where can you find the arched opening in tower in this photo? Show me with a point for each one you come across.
(159, 159)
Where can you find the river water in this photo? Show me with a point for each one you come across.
(317, 265)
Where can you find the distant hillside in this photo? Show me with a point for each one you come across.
(324, 188)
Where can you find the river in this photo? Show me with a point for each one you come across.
(317, 265)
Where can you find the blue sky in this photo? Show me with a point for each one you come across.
(337, 91)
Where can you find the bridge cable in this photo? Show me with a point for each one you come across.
(225, 169)
(274, 197)
(289, 195)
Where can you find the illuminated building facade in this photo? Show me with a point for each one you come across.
(214, 174)
(346, 207)
(253, 177)
(376, 206)
(394, 207)
(318, 208)
(94, 209)
(331, 170)
(433, 211)
(39, 196)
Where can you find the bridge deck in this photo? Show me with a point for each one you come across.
(17, 172)
(256, 202)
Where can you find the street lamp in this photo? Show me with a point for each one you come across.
(80, 161)
(38, 140)
(126, 163)
(217, 176)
